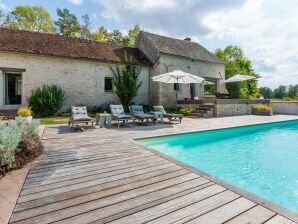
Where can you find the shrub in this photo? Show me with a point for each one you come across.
(47, 100)
(10, 137)
(262, 107)
(126, 81)
(185, 111)
(24, 112)
(19, 144)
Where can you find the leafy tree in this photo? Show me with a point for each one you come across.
(236, 62)
(2, 18)
(133, 33)
(280, 92)
(31, 18)
(126, 82)
(85, 28)
(115, 38)
(67, 23)
(101, 35)
(266, 92)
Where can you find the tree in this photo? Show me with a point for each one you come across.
(130, 39)
(266, 92)
(85, 28)
(126, 82)
(31, 18)
(280, 92)
(236, 63)
(115, 38)
(67, 23)
(101, 35)
(2, 18)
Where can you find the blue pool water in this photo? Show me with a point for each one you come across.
(262, 159)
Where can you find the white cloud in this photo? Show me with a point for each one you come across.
(76, 2)
(3, 6)
(174, 17)
(266, 30)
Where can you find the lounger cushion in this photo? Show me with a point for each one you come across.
(117, 110)
(122, 116)
(80, 117)
(161, 109)
(79, 114)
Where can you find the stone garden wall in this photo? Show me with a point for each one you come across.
(235, 107)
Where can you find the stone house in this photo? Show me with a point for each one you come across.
(82, 67)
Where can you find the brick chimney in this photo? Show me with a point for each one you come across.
(187, 39)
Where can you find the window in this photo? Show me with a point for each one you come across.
(176, 87)
(108, 84)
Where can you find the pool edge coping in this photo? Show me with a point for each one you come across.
(293, 216)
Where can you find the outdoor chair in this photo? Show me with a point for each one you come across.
(79, 115)
(170, 116)
(118, 114)
(138, 113)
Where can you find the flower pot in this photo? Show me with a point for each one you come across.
(262, 112)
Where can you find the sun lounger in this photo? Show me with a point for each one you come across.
(138, 113)
(118, 114)
(169, 116)
(79, 115)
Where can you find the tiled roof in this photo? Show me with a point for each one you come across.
(182, 48)
(60, 46)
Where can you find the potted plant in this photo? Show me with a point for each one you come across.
(24, 114)
(263, 110)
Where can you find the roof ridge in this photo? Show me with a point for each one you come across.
(62, 36)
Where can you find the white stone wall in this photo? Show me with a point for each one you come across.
(166, 92)
(82, 81)
(285, 107)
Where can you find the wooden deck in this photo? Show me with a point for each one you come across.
(103, 179)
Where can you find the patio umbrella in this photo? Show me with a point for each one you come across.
(208, 83)
(178, 76)
(239, 78)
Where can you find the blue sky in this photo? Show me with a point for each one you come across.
(266, 30)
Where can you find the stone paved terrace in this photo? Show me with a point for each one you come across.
(102, 176)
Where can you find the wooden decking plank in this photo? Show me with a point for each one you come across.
(89, 178)
(51, 179)
(94, 196)
(168, 207)
(74, 158)
(129, 182)
(256, 215)
(97, 204)
(88, 164)
(78, 161)
(92, 168)
(278, 219)
(225, 212)
(42, 194)
(192, 211)
(162, 198)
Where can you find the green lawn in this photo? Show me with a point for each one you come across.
(58, 119)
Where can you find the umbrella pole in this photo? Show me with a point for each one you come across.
(176, 95)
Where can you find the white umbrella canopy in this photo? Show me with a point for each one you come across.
(239, 78)
(208, 83)
(178, 76)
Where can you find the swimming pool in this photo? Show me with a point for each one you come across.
(261, 159)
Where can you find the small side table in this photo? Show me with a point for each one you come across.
(158, 115)
(104, 119)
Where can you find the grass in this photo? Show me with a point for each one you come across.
(58, 119)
